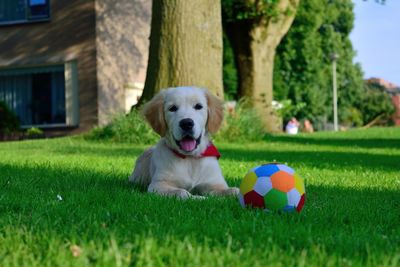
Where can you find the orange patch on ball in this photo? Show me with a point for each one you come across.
(282, 181)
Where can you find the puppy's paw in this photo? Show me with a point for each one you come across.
(181, 194)
(232, 191)
(197, 197)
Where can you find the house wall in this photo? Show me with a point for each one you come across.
(122, 40)
(69, 35)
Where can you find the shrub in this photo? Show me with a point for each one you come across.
(9, 122)
(288, 110)
(351, 117)
(34, 132)
(375, 102)
(241, 125)
(130, 128)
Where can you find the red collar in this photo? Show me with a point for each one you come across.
(211, 151)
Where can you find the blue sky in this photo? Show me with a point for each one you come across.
(376, 38)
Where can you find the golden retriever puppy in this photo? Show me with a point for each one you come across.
(184, 163)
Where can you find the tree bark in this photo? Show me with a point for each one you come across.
(185, 46)
(254, 44)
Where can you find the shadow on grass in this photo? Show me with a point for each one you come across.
(98, 205)
(319, 159)
(332, 141)
(130, 151)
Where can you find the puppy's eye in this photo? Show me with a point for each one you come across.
(198, 106)
(173, 108)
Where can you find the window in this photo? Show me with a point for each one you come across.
(42, 96)
(22, 11)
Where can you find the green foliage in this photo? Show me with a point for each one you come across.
(249, 10)
(303, 66)
(289, 110)
(33, 131)
(375, 102)
(230, 76)
(9, 122)
(351, 117)
(241, 125)
(130, 128)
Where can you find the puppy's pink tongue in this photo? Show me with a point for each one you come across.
(188, 144)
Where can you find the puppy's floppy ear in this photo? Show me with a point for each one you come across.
(153, 111)
(215, 112)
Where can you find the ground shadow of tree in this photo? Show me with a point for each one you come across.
(346, 142)
(129, 150)
(319, 159)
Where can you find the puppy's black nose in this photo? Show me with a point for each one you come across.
(186, 124)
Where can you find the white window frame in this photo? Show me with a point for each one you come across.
(71, 94)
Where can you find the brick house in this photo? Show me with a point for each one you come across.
(66, 66)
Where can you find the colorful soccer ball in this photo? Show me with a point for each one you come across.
(273, 187)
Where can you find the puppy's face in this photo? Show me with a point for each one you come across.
(184, 115)
(185, 112)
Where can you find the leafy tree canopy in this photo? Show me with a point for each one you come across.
(249, 9)
(375, 102)
(303, 64)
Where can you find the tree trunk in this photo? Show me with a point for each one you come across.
(254, 44)
(185, 46)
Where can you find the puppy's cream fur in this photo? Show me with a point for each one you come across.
(159, 169)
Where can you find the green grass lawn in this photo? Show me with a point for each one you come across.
(351, 216)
